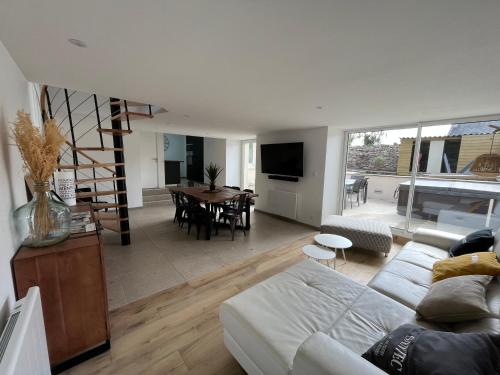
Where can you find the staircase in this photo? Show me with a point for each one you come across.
(94, 128)
(151, 197)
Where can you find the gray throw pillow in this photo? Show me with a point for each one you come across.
(456, 299)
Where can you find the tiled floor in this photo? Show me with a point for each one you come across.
(162, 255)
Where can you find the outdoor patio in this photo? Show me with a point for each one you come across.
(382, 201)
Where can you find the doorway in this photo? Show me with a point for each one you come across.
(248, 163)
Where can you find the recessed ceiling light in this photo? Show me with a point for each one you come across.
(78, 43)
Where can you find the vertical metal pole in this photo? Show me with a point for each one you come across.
(98, 119)
(95, 183)
(114, 188)
(414, 168)
(73, 141)
(49, 105)
(150, 112)
(121, 184)
(126, 111)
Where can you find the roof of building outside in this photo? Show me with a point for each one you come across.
(473, 128)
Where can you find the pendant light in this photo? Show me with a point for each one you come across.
(487, 164)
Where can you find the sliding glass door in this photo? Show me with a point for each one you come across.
(427, 175)
(449, 193)
(375, 171)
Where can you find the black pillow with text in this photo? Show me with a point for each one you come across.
(413, 350)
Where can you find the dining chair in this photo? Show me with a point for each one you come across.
(250, 201)
(364, 189)
(355, 189)
(233, 215)
(195, 214)
(180, 206)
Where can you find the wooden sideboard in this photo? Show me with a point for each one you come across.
(73, 291)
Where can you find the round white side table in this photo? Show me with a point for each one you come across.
(320, 253)
(334, 242)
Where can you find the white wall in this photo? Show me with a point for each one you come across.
(233, 162)
(310, 187)
(13, 96)
(132, 152)
(214, 150)
(332, 187)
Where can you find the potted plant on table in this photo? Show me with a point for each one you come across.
(44, 220)
(212, 172)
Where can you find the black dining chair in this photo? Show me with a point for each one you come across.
(195, 214)
(233, 215)
(180, 206)
(251, 201)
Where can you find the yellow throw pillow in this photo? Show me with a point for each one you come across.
(484, 263)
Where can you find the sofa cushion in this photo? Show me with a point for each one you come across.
(370, 318)
(421, 255)
(456, 299)
(404, 282)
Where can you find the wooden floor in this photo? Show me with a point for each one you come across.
(178, 331)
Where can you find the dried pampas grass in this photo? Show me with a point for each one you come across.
(39, 151)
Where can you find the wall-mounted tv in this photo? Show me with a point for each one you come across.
(284, 159)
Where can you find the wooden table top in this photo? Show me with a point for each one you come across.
(200, 193)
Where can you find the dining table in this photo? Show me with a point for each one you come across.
(210, 197)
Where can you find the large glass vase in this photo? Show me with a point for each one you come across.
(43, 221)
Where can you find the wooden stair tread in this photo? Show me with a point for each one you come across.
(109, 216)
(107, 205)
(131, 115)
(96, 149)
(88, 166)
(114, 131)
(87, 194)
(97, 180)
(115, 227)
(130, 103)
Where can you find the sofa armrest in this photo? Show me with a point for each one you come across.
(322, 355)
(437, 238)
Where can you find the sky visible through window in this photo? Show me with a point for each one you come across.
(393, 136)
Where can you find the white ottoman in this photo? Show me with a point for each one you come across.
(364, 234)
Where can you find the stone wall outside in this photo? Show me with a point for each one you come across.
(373, 159)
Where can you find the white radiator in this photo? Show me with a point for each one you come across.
(282, 203)
(23, 345)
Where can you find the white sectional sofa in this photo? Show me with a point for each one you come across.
(312, 320)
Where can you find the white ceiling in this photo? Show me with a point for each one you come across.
(241, 67)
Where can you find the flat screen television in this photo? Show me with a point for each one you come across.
(284, 159)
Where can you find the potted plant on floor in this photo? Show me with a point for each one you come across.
(212, 172)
